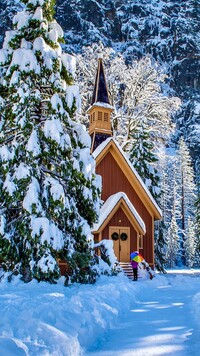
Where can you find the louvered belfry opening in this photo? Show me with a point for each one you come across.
(100, 110)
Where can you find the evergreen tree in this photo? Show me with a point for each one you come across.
(173, 243)
(49, 192)
(173, 216)
(198, 212)
(143, 158)
(190, 244)
(187, 191)
(197, 205)
(170, 203)
(160, 246)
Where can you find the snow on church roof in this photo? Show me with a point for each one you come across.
(103, 105)
(101, 147)
(110, 204)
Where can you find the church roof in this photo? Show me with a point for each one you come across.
(109, 206)
(100, 93)
(137, 181)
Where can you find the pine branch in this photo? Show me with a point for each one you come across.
(12, 222)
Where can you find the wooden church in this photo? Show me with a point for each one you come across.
(129, 211)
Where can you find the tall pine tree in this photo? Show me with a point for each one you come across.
(143, 157)
(49, 192)
(188, 192)
(172, 243)
(170, 203)
(197, 204)
(190, 244)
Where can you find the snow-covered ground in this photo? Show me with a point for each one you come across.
(115, 316)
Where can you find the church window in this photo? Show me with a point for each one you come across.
(99, 115)
(105, 116)
(140, 241)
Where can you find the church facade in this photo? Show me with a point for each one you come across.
(129, 211)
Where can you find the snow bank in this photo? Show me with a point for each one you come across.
(44, 319)
(183, 279)
(195, 306)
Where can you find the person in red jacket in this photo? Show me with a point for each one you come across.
(135, 270)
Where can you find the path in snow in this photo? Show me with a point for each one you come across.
(160, 323)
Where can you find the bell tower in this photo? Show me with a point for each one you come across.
(100, 110)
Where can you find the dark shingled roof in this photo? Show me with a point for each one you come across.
(100, 93)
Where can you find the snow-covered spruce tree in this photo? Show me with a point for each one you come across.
(160, 246)
(198, 210)
(197, 205)
(143, 158)
(190, 244)
(170, 203)
(49, 192)
(187, 190)
(173, 244)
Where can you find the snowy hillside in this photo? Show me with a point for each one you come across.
(167, 30)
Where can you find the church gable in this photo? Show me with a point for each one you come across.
(114, 180)
(113, 204)
(119, 175)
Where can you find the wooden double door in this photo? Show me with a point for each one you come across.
(121, 242)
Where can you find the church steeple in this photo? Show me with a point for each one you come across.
(100, 93)
(100, 109)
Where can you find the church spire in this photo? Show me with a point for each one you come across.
(100, 109)
(100, 93)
